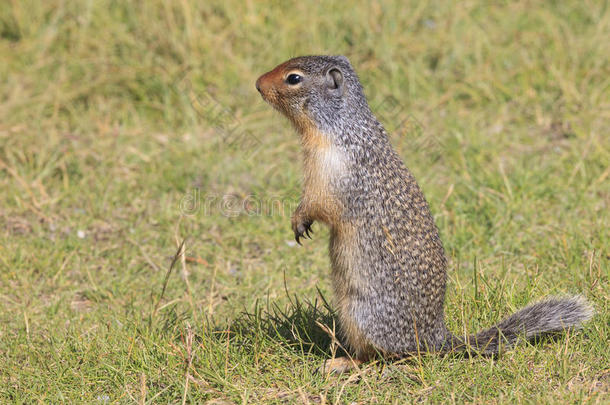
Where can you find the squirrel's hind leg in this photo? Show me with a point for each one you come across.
(339, 365)
(362, 352)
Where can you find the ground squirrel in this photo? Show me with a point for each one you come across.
(388, 262)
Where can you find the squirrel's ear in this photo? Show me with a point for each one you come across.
(334, 78)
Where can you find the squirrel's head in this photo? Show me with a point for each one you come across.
(323, 91)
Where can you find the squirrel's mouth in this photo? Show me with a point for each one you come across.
(266, 92)
(269, 95)
(271, 98)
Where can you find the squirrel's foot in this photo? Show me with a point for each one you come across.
(301, 227)
(339, 365)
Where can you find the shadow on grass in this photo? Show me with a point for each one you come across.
(300, 326)
(308, 328)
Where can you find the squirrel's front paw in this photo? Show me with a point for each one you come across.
(301, 227)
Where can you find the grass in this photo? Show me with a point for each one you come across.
(128, 127)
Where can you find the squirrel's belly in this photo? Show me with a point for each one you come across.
(324, 167)
(347, 285)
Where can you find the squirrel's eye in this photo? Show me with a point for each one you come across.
(294, 79)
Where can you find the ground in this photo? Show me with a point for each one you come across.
(129, 127)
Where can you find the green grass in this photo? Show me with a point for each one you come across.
(116, 116)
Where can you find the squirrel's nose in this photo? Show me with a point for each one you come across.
(258, 85)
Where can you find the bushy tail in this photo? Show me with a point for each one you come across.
(555, 314)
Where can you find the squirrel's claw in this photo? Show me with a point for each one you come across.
(302, 230)
(307, 230)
